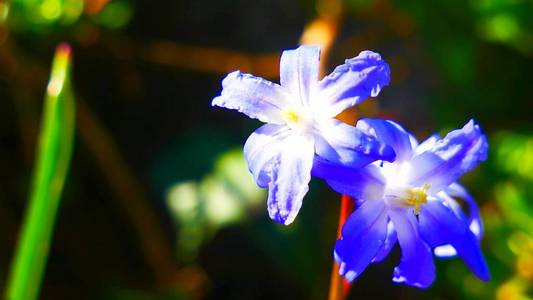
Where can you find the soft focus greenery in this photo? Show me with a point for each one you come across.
(159, 204)
(223, 197)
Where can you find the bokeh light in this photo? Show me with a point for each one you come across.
(159, 202)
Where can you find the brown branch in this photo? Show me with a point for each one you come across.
(211, 60)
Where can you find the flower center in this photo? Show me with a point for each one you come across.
(291, 116)
(407, 197)
(297, 119)
(417, 196)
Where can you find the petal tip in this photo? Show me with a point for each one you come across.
(283, 219)
(281, 216)
(400, 279)
(485, 276)
(217, 101)
(350, 275)
(369, 54)
(230, 77)
(483, 273)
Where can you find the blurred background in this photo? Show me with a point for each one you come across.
(159, 204)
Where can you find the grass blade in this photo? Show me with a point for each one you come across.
(51, 166)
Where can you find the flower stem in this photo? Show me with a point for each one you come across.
(339, 287)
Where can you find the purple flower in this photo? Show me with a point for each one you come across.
(410, 201)
(300, 122)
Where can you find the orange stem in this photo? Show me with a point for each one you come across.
(339, 287)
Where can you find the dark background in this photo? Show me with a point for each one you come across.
(159, 204)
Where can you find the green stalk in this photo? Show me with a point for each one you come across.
(51, 166)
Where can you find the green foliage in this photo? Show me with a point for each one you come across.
(39, 16)
(115, 15)
(507, 22)
(47, 16)
(223, 197)
(458, 59)
(51, 167)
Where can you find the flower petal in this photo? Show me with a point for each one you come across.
(439, 226)
(390, 133)
(449, 158)
(361, 183)
(447, 250)
(388, 244)
(414, 141)
(428, 144)
(291, 173)
(474, 219)
(353, 82)
(261, 148)
(416, 266)
(342, 143)
(362, 237)
(281, 161)
(299, 71)
(253, 96)
(473, 222)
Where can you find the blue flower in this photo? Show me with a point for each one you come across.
(410, 200)
(300, 122)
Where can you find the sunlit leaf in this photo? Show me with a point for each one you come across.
(51, 166)
(223, 197)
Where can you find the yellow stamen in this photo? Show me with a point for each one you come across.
(291, 116)
(417, 196)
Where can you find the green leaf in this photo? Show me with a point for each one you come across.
(51, 166)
